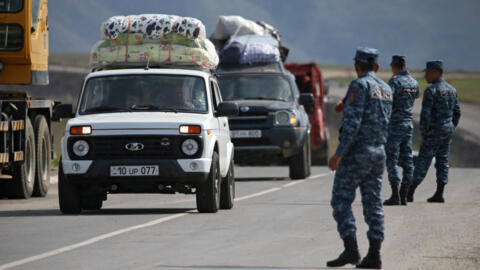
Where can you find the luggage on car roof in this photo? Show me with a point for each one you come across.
(257, 42)
(156, 39)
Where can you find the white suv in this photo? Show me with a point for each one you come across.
(147, 131)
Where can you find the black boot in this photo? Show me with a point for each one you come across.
(411, 191)
(349, 256)
(438, 196)
(403, 194)
(395, 198)
(372, 260)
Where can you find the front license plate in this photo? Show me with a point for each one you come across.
(147, 170)
(254, 133)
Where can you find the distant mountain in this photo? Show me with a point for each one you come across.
(315, 30)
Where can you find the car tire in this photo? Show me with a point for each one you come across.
(300, 164)
(208, 193)
(227, 194)
(43, 153)
(68, 194)
(23, 175)
(92, 203)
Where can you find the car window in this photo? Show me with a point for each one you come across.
(214, 95)
(275, 87)
(144, 93)
(7, 6)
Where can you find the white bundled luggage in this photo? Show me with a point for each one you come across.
(154, 38)
(242, 41)
(152, 26)
(236, 25)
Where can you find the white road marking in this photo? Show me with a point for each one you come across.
(257, 194)
(138, 227)
(309, 178)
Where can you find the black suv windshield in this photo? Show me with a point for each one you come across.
(128, 93)
(271, 87)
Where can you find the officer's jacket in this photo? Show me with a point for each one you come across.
(405, 91)
(366, 113)
(440, 109)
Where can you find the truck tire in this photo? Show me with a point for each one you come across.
(43, 149)
(227, 194)
(208, 193)
(68, 194)
(300, 164)
(23, 175)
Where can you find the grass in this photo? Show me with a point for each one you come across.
(468, 89)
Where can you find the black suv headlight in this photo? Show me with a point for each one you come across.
(285, 118)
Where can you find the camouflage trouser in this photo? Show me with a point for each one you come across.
(438, 146)
(363, 167)
(399, 152)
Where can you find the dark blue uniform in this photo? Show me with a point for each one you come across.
(362, 146)
(400, 130)
(439, 117)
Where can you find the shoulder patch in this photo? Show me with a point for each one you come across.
(352, 93)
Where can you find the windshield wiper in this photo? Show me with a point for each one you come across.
(107, 109)
(152, 108)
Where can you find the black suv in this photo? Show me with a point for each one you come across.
(272, 126)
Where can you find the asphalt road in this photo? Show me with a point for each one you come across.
(276, 223)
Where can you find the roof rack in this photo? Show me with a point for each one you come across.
(146, 66)
(276, 67)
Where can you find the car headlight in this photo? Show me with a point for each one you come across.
(189, 147)
(81, 148)
(283, 118)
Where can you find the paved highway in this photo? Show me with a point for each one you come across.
(276, 224)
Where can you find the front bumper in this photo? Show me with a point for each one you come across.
(286, 141)
(172, 171)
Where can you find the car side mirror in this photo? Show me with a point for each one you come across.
(306, 99)
(62, 111)
(227, 109)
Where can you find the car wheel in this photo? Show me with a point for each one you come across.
(208, 193)
(228, 189)
(23, 175)
(92, 203)
(68, 194)
(43, 149)
(300, 164)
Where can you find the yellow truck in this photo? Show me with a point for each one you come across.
(25, 122)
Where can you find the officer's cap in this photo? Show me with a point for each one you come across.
(366, 55)
(434, 64)
(398, 60)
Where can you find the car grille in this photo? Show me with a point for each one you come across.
(114, 147)
(248, 120)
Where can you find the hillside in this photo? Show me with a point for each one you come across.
(324, 31)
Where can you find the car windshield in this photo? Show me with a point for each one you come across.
(272, 87)
(129, 93)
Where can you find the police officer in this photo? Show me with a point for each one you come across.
(439, 117)
(400, 130)
(360, 160)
